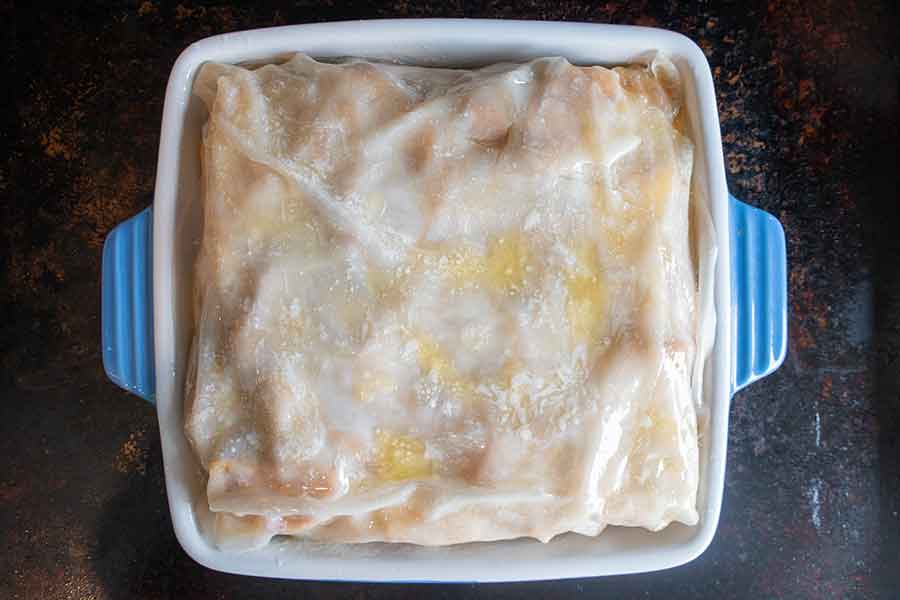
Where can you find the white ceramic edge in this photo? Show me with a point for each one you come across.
(249, 45)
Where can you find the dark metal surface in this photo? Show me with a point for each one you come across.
(808, 96)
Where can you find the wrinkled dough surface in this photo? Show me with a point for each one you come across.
(439, 306)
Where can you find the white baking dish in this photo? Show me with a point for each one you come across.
(749, 295)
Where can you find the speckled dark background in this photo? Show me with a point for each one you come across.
(808, 96)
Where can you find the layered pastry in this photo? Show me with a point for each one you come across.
(440, 306)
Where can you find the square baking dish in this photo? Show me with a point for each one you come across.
(147, 285)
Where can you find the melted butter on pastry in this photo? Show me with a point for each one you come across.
(401, 457)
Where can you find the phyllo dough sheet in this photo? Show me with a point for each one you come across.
(440, 306)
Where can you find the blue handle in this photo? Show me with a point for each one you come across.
(127, 305)
(758, 294)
